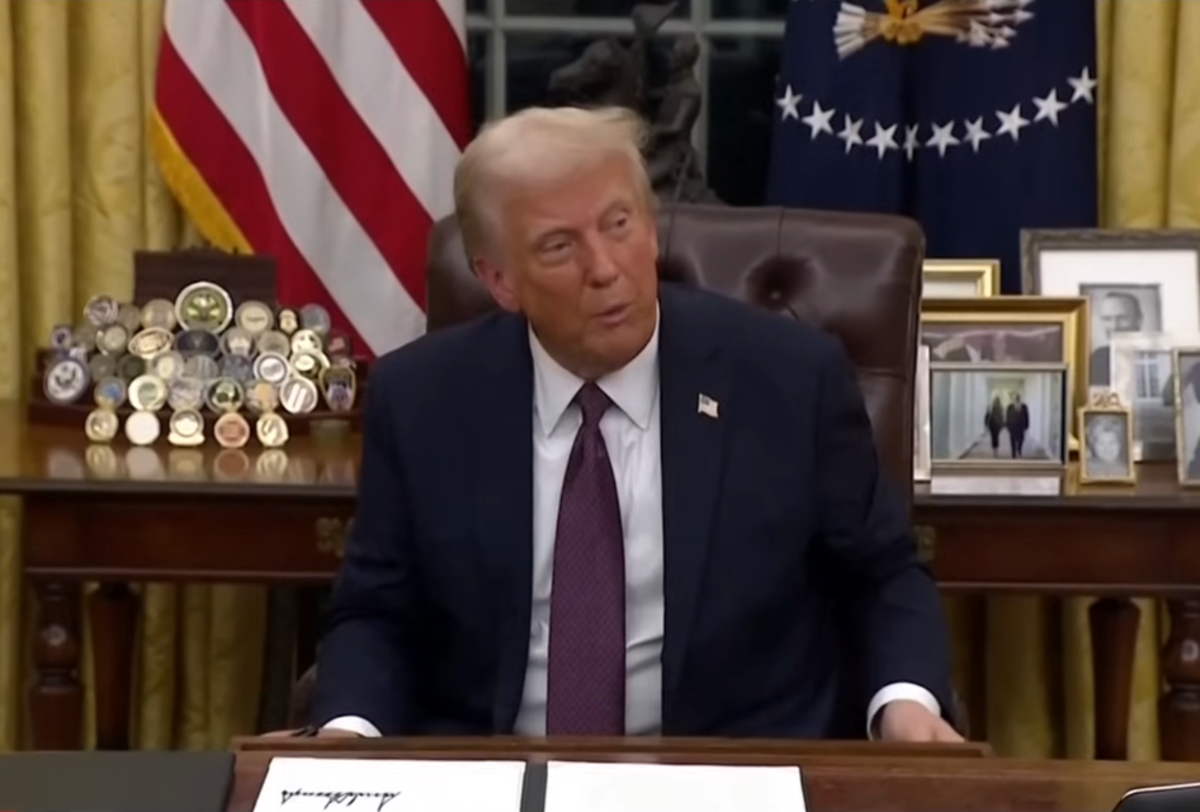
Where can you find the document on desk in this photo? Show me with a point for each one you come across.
(389, 785)
(586, 787)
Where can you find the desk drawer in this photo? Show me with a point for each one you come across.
(235, 540)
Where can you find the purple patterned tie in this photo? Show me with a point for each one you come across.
(586, 691)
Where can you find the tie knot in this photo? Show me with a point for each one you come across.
(593, 403)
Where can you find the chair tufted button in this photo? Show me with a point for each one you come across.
(775, 295)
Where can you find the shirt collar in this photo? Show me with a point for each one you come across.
(632, 388)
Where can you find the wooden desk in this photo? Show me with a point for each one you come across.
(858, 778)
(114, 514)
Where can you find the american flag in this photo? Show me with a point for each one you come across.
(324, 133)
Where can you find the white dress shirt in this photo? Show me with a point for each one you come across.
(631, 433)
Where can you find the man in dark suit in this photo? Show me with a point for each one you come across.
(689, 474)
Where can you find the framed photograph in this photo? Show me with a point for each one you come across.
(922, 468)
(1010, 330)
(960, 278)
(999, 415)
(1143, 379)
(1136, 281)
(1106, 456)
(1186, 371)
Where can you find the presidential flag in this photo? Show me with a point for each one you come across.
(976, 117)
(324, 133)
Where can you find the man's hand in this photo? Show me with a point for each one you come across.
(323, 733)
(908, 721)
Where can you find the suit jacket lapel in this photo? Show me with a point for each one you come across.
(695, 403)
(504, 495)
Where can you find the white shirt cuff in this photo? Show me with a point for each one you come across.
(354, 724)
(894, 692)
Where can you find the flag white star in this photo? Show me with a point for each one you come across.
(976, 133)
(1049, 107)
(943, 138)
(818, 120)
(911, 142)
(788, 104)
(1082, 85)
(1011, 122)
(883, 139)
(851, 133)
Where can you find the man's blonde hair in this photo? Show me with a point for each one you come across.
(540, 145)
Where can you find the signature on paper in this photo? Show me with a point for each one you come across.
(341, 798)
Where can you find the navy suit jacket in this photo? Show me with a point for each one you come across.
(793, 589)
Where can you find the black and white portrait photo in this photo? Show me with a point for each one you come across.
(1187, 416)
(1118, 309)
(998, 414)
(1107, 455)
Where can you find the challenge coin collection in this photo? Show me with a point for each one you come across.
(203, 361)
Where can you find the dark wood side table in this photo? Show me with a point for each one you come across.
(117, 515)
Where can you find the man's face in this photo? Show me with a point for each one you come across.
(579, 259)
(1106, 445)
(1117, 315)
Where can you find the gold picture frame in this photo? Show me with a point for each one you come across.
(976, 278)
(1099, 409)
(1069, 313)
(1183, 448)
(959, 427)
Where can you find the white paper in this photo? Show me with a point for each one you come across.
(586, 787)
(387, 785)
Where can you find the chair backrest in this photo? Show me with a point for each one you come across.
(857, 276)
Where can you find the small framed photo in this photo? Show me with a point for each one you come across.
(1143, 378)
(1186, 366)
(1107, 453)
(1010, 330)
(1136, 281)
(922, 467)
(999, 415)
(960, 278)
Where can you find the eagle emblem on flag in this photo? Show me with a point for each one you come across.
(976, 23)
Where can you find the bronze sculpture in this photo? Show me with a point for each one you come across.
(667, 96)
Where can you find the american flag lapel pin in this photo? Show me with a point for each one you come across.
(707, 407)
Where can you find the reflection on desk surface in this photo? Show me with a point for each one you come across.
(36, 458)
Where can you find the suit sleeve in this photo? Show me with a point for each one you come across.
(895, 603)
(361, 663)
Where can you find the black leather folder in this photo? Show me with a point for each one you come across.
(115, 782)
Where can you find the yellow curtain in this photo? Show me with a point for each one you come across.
(78, 194)
(1035, 655)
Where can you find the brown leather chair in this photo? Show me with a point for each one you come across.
(857, 276)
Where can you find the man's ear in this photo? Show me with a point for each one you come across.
(497, 282)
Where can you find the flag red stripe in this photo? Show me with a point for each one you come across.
(429, 47)
(220, 156)
(353, 160)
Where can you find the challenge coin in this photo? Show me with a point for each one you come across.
(185, 394)
(204, 306)
(101, 425)
(231, 430)
(61, 338)
(254, 317)
(130, 367)
(112, 339)
(338, 345)
(129, 317)
(316, 318)
(147, 393)
(197, 342)
(272, 430)
(142, 428)
(186, 428)
(307, 341)
(167, 365)
(110, 393)
(101, 310)
(238, 367)
(224, 395)
(275, 343)
(272, 367)
(298, 395)
(338, 385)
(262, 397)
(84, 336)
(102, 366)
(150, 342)
(236, 341)
(202, 367)
(159, 314)
(310, 364)
(289, 322)
(65, 381)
